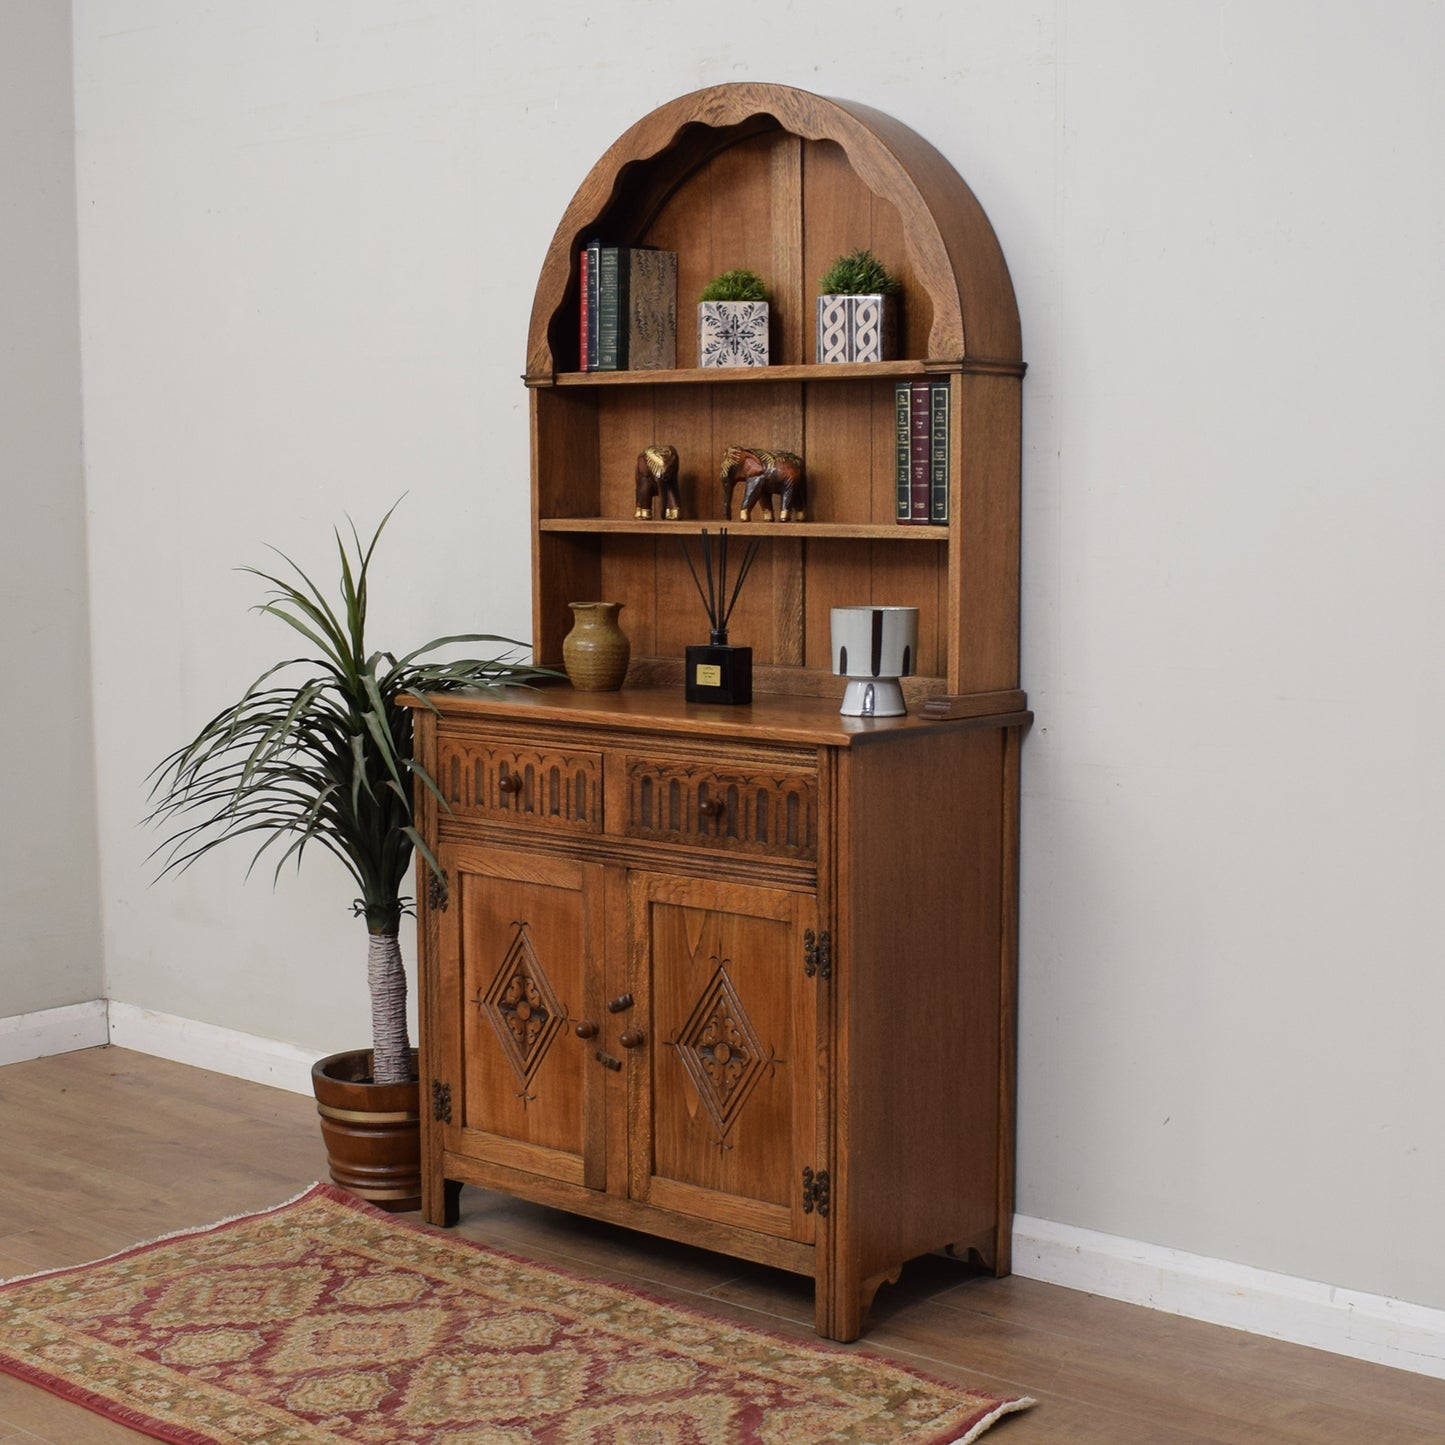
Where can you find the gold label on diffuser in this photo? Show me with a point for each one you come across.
(708, 676)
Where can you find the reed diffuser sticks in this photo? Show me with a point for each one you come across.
(719, 612)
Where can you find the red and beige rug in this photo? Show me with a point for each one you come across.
(325, 1319)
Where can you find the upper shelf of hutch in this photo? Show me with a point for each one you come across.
(781, 182)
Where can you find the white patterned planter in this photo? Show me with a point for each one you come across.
(857, 328)
(732, 333)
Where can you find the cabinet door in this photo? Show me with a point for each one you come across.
(516, 976)
(723, 1097)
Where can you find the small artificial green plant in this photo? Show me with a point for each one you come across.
(859, 273)
(741, 285)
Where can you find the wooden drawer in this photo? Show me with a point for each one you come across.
(503, 781)
(747, 808)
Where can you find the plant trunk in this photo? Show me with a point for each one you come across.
(391, 1048)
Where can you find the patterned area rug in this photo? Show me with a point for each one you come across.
(325, 1319)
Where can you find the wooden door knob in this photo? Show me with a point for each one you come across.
(631, 1038)
(586, 1029)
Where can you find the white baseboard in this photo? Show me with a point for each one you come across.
(1345, 1322)
(53, 1031)
(207, 1046)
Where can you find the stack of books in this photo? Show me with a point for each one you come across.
(629, 308)
(921, 410)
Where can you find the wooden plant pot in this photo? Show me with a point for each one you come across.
(372, 1131)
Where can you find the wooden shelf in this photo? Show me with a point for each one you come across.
(754, 375)
(791, 531)
(762, 375)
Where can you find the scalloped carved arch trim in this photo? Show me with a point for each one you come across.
(952, 249)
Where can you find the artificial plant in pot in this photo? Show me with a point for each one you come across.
(857, 309)
(732, 320)
(318, 750)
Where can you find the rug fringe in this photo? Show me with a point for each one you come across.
(1005, 1407)
(173, 1234)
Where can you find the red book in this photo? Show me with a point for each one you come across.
(582, 277)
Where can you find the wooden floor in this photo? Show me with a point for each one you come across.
(104, 1148)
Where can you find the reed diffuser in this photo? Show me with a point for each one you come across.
(718, 672)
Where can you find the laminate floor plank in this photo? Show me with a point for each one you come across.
(103, 1149)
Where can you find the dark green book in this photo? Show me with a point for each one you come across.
(613, 276)
(938, 448)
(903, 432)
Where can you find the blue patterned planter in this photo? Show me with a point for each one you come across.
(856, 328)
(732, 333)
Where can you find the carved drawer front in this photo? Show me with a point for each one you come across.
(503, 782)
(747, 809)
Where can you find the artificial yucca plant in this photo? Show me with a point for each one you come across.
(319, 750)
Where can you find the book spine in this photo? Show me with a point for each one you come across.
(608, 315)
(624, 309)
(903, 431)
(652, 310)
(594, 267)
(920, 468)
(938, 435)
(582, 358)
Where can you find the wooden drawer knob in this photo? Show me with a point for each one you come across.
(711, 807)
(510, 782)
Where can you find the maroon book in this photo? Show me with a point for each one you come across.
(921, 461)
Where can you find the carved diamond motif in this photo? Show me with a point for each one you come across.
(522, 1008)
(721, 1052)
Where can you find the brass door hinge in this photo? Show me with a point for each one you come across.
(441, 1102)
(817, 953)
(815, 1192)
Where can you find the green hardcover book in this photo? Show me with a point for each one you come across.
(938, 448)
(903, 432)
(612, 285)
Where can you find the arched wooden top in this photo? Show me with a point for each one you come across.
(952, 250)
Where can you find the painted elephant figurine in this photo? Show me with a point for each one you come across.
(657, 476)
(775, 476)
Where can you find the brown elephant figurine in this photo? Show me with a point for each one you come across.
(775, 476)
(657, 476)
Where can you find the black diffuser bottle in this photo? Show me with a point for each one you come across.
(718, 673)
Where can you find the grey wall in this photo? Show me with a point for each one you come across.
(49, 902)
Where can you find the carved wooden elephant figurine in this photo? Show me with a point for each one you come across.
(657, 476)
(775, 476)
